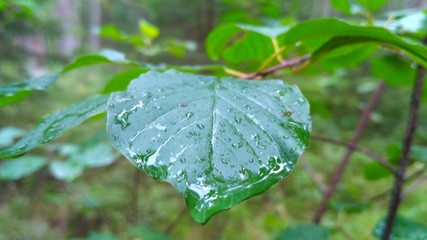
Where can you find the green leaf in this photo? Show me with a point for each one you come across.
(105, 56)
(112, 32)
(343, 6)
(304, 232)
(56, 124)
(340, 34)
(122, 80)
(18, 168)
(65, 170)
(15, 92)
(394, 70)
(419, 152)
(147, 232)
(97, 155)
(346, 56)
(148, 29)
(375, 171)
(218, 141)
(372, 5)
(348, 207)
(242, 46)
(403, 229)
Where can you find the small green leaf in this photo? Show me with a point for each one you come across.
(394, 70)
(18, 168)
(343, 6)
(372, 5)
(218, 141)
(148, 29)
(15, 92)
(65, 170)
(304, 232)
(375, 171)
(112, 32)
(105, 56)
(403, 229)
(97, 155)
(348, 207)
(242, 46)
(56, 124)
(122, 80)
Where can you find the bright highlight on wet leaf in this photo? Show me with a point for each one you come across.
(219, 141)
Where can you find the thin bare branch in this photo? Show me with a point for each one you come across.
(284, 64)
(396, 195)
(312, 174)
(357, 148)
(336, 178)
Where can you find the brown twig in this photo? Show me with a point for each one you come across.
(357, 148)
(284, 64)
(312, 174)
(336, 178)
(396, 195)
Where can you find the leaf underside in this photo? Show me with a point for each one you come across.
(218, 141)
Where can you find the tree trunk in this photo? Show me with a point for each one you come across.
(67, 12)
(94, 24)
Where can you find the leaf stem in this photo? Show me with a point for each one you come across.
(336, 178)
(284, 64)
(396, 195)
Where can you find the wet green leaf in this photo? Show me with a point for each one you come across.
(18, 168)
(105, 56)
(56, 124)
(218, 140)
(403, 229)
(340, 34)
(304, 232)
(15, 92)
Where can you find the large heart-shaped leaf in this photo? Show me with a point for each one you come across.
(218, 140)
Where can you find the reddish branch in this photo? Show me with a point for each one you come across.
(357, 148)
(396, 195)
(336, 178)
(284, 64)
